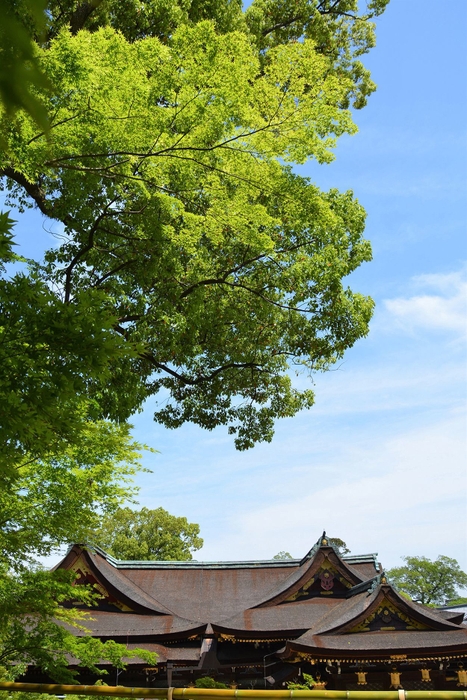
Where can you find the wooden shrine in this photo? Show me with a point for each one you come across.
(262, 624)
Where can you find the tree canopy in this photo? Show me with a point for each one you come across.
(148, 534)
(59, 499)
(340, 544)
(194, 265)
(35, 623)
(429, 582)
(282, 556)
(44, 503)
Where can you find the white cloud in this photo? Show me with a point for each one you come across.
(444, 310)
(413, 502)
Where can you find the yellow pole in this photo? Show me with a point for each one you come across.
(122, 691)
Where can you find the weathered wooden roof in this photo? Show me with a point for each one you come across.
(321, 602)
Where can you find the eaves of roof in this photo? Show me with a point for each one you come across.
(373, 644)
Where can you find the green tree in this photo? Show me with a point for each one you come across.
(20, 73)
(49, 352)
(148, 534)
(340, 544)
(429, 582)
(45, 503)
(35, 627)
(282, 556)
(193, 261)
(209, 682)
(59, 499)
(457, 601)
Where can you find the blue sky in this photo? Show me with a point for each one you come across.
(381, 460)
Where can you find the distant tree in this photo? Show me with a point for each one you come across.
(147, 535)
(340, 544)
(208, 682)
(429, 582)
(457, 601)
(283, 555)
(309, 683)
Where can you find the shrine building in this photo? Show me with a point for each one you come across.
(262, 624)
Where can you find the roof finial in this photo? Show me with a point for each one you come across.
(324, 541)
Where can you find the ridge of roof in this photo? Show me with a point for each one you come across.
(325, 541)
(322, 541)
(246, 564)
(192, 563)
(361, 558)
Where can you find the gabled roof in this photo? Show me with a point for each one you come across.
(321, 602)
(90, 563)
(362, 609)
(379, 620)
(206, 592)
(323, 571)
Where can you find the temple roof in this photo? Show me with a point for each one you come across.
(112, 625)
(212, 591)
(322, 602)
(301, 615)
(379, 643)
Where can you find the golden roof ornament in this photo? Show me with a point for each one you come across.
(425, 675)
(395, 679)
(361, 677)
(461, 676)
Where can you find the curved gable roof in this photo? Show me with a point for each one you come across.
(352, 613)
(216, 592)
(322, 556)
(85, 560)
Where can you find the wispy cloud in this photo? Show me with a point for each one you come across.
(444, 309)
(413, 502)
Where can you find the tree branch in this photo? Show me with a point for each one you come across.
(183, 377)
(83, 251)
(203, 378)
(81, 14)
(221, 280)
(33, 189)
(112, 272)
(173, 147)
(280, 25)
